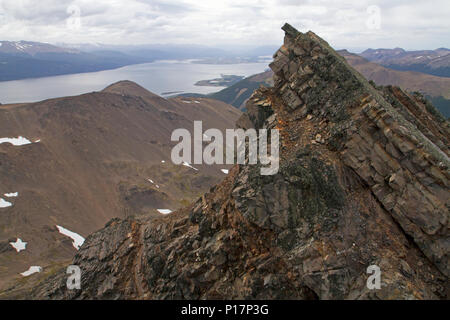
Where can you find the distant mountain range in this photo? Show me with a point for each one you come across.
(409, 80)
(24, 59)
(434, 62)
(177, 51)
(28, 48)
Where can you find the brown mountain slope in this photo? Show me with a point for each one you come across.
(408, 80)
(94, 160)
(362, 182)
(435, 62)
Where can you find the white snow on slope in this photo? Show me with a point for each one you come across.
(22, 46)
(20, 141)
(4, 204)
(164, 211)
(12, 195)
(224, 171)
(77, 239)
(151, 181)
(19, 245)
(31, 270)
(189, 166)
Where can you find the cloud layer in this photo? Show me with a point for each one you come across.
(345, 24)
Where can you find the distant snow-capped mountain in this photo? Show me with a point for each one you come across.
(27, 59)
(32, 48)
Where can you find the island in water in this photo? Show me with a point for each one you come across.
(223, 81)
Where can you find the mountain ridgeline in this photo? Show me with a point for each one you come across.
(24, 59)
(434, 62)
(363, 181)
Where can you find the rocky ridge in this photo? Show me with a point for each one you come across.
(363, 180)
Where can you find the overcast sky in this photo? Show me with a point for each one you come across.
(411, 24)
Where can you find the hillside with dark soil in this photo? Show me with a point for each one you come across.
(89, 159)
(238, 94)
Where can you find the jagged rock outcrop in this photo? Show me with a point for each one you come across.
(363, 180)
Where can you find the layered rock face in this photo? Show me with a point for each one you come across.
(363, 180)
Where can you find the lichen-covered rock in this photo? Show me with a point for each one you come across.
(363, 180)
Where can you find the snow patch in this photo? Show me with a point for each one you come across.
(77, 239)
(21, 46)
(189, 166)
(20, 141)
(31, 270)
(225, 171)
(196, 101)
(19, 245)
(4, 204)
(12, 195)
(164, 211)
(184, 101)
(151, 181)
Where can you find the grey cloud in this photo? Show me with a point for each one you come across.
(27, 10)
(169, 7)
(411, 24)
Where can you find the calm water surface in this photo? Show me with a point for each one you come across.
(158, 77)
